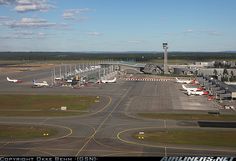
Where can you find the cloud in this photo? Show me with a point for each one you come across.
(41, 35)
(22, 32)
(25, 35)
(30, 22)
(16, 37)
(188, 31)
(210, 32)
(94, 33)
(214, 33)
(3, 18)
(134, 41)
(203, 32)
(28, 5)
(76, 14)
(7, 2)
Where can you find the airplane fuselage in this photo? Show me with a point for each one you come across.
(109, 81)
(197, 93)
(14, 80)
(192, 88)
(40, 84)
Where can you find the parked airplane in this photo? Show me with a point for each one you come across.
(78, 71)
(14, 80)
(183, 81)
(40, 84)
(69, 81)
(210, 98)
(195, 82)
(87, 69)
(197, 93)
(95, 67)
(193, 88)
(109, 81)
(58, 78)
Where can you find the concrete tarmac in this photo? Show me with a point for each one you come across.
(98, 134)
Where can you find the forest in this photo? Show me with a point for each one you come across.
(120, 56)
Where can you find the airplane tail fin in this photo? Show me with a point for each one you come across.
(184, 87)
(8, 79)
(189, 92)
(177, 80)
(205, 92)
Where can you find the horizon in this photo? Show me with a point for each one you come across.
(125, 52)
(124, 26)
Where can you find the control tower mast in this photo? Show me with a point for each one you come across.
(165, 47)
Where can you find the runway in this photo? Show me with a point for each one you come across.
(98, 134)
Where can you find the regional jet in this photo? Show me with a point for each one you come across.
(195, 82)
(109, 81)
(193, 88)
(59, 78)
(78, 71)
(40, 84)
(14, 80)
(197, 93)
(95, 67)
(183, 81)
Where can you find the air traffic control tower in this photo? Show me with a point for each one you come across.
(165, 47)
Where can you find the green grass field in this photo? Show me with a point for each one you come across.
(167, 116)
(44, 105)
(25, 132)
(224, 138)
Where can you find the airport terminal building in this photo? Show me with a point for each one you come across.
(218, 88)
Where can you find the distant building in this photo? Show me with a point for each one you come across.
(224, 64)
(210, 71)
(184, 71)
(215, 71)
(205, 64)
(218, 88)
(152, 69)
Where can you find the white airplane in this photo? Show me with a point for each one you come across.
(183, 81)
(69, 81)
(109, 81)
(195, 82)
(40, 84)
(14, 80)
(200, 93)
(95, 67)
(99, 82)
(193, 88)
(87, 69)
(78, 71)
(59, 78)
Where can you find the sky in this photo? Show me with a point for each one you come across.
(117, 25)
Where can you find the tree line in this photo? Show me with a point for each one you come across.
(121, 56)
